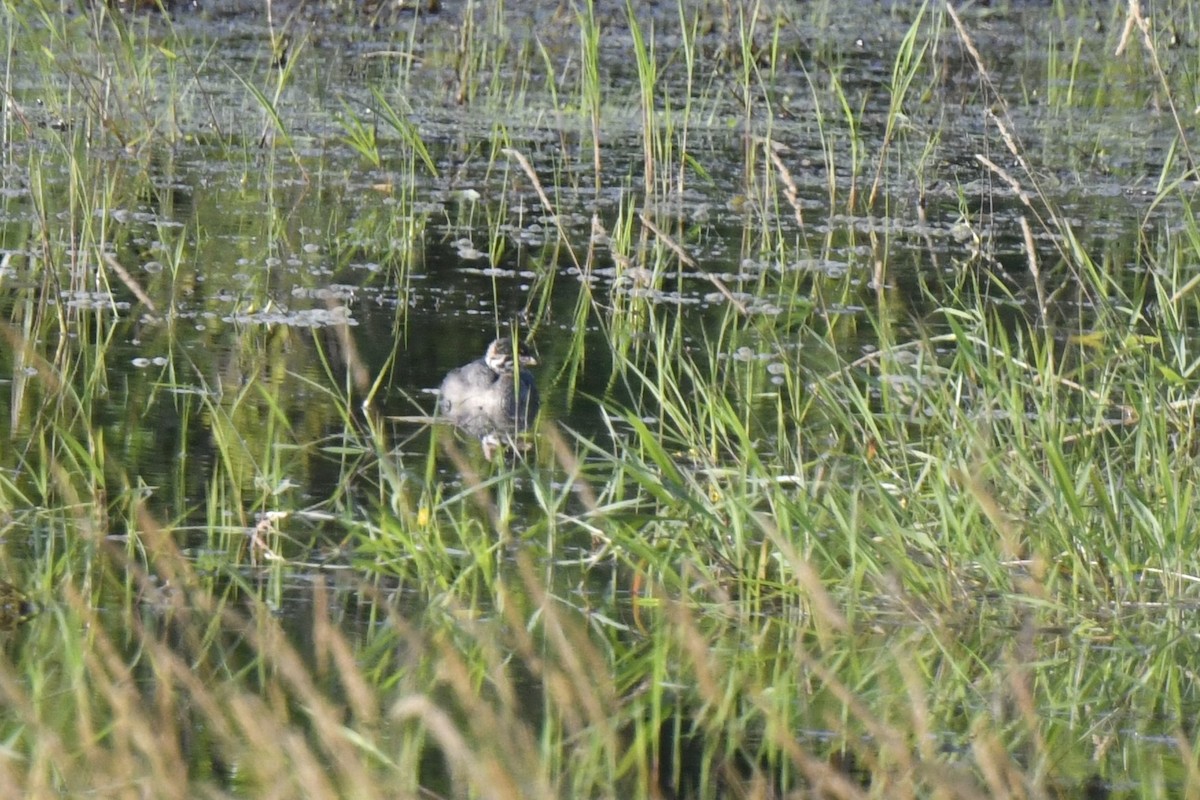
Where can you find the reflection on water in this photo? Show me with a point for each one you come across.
(256, 276)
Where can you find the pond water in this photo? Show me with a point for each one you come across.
(255, 224)
(240, 239)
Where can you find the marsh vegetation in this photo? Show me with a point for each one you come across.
(867, 452)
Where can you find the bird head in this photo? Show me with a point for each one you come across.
(502, 353)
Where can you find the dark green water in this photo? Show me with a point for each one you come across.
(275, 255)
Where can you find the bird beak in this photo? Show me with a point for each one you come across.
(526, 361)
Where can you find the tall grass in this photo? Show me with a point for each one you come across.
(825, 538)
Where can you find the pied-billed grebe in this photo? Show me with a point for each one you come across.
(493, 396)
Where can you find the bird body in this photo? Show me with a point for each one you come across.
(491, 396)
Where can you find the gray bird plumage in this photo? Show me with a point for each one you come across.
(491, 396)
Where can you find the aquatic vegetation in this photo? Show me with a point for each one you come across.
(866, 451)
